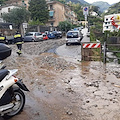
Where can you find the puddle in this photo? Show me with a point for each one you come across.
(68, 90)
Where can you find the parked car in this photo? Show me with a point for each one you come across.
(33, 37)
(10, 40)
(45, 37)
(51, 36)
(73, 37)
(58, 34)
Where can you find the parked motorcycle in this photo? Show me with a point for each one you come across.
(12, 97)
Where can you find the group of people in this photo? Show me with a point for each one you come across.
(18, 40)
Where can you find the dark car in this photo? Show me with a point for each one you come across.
(58, 34)
(51, 36)
(10, 40)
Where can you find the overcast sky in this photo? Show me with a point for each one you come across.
(109, 1)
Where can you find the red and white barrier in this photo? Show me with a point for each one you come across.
(91, 45)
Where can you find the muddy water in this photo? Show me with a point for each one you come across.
(65, 90)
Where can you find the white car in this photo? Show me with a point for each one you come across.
(33, 37)
(73, 36)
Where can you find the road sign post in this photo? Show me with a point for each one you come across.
(85, 13)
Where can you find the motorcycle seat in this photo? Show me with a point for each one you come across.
(3, 73)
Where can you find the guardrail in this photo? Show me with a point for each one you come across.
(105, 50)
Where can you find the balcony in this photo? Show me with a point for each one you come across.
(67, 15)
(51, 20)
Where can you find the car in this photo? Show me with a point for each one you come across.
(33, 37)
(51, 35)
(10, 40)
(45, 37)
(58, 34)
(73, 36)
(81, 35)
(88, 34)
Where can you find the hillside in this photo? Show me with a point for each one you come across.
(82, 2)
(102, 5)
(114, 9)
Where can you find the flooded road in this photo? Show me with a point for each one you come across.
(63, 88)
(70, 53)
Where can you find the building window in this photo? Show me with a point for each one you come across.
(106, 19)
(8, 9)
(51, 14)
(106, 27)
(51, 7)
(52, 24)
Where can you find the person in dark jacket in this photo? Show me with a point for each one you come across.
(18, 40)
(2, 38)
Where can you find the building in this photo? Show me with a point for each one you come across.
(24, 3)
(59, 12)
(6, 9)
(111, 22)
(93, 13)
(70, 15)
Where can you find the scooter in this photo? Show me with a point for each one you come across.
(12, 98)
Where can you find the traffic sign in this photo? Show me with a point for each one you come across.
(85, 10)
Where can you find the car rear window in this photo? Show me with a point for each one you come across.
(29, 34)
(38, 34)
(72, 35)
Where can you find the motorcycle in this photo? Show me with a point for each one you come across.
(12, 97)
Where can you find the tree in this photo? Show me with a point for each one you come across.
(77, 9)
(2, 1)
(39, 10)
(65, 26)
(17, 16)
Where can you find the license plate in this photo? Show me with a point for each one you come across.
(73, 41)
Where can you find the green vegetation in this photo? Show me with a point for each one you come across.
(114, 9)
(16, 16)
(102, 5)
(77, 8)
(96, 28)
(65, 26)
(39, 11)
(2, 2)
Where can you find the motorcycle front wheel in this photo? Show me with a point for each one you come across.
(19, 101)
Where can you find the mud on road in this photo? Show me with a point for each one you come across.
(63, 90)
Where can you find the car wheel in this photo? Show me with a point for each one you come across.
(33, 40)
(67, 44)
(79, 43)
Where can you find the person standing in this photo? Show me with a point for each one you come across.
(2, 38)
(18, 40)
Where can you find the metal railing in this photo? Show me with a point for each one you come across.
(106, 49)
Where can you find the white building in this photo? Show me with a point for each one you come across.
(94, 13)
(111, 22)
(6, 9)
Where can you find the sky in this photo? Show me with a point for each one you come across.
(109, 1)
